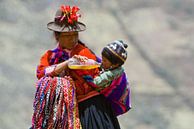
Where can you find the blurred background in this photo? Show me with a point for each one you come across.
(160, 64)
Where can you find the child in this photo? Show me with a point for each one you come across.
(113, 57)
(111, 80)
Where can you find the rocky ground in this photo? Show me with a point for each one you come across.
(159, 65)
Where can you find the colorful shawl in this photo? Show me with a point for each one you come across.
(55, 104)
(118, 94)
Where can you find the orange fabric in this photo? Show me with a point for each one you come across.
(83, 90)
(83, 51)
(44, 62)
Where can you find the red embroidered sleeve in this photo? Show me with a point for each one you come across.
(44, 67)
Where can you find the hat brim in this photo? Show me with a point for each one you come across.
(55, 27)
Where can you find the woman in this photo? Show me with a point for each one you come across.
(95, 112)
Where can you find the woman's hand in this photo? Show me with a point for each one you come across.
(61, 67)
(81, 59)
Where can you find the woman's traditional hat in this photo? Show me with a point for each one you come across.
(66, 20)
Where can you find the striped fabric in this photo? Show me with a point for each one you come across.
(55, 104)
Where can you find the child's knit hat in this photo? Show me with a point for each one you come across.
(116, 52)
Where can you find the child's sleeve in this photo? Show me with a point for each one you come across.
(105, 79)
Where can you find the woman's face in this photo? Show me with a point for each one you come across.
(67, 40)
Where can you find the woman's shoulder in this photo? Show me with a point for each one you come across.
(46, 54)
(83, 50)
(81, 46)
(50, 51)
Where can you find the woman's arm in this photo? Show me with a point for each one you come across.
(61, 67)
(44, 68)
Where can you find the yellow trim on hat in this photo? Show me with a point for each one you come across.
(115, 53)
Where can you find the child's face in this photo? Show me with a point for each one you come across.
(106, 64)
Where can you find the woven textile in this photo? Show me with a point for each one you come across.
(55, 104)
(118, 94)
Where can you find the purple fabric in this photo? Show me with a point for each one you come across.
(58, 56)
(118, 94)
